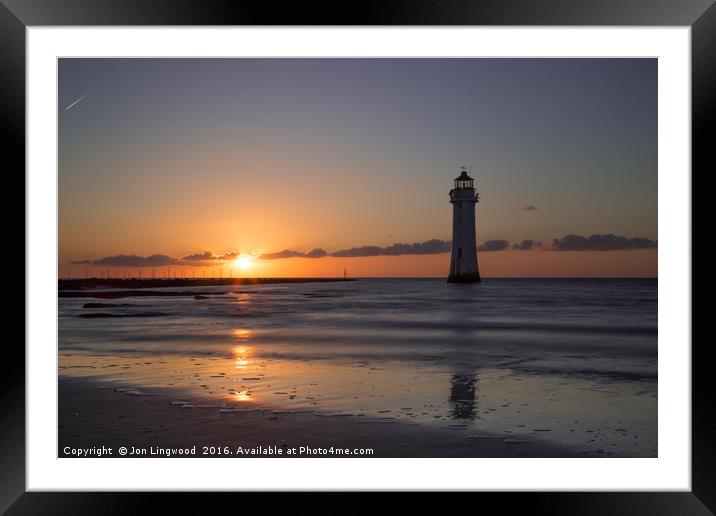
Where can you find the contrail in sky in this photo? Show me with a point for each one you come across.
(119, 63)
(76, 101)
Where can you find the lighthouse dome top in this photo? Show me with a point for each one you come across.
(463, 180)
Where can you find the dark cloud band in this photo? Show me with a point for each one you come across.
(527, 245)
(132, 260)
(493, 245)
(607, 242)
(210, 256)
(597, 242)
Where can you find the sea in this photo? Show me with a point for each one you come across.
(569, 361)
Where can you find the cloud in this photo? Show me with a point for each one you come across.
(366, 250)
(316, 253)
(286, 253)
(529, 207)
(200, 257)
(527, 245)
(397, 249)
(493, 245)
(433, 246)
(82, 262)
(132, 260)
(607, 242)
(161, 260)
(229, 255)
(209, 256)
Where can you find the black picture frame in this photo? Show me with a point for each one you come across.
(17, 15)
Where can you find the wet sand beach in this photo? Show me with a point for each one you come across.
(95, 414)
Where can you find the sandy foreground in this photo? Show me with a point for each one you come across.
(98, 418)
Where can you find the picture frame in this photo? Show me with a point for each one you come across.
(17, 15)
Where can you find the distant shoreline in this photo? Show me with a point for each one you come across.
(93, 283)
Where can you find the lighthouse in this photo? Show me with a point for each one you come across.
(463, 264)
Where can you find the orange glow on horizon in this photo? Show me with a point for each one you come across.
(510, 263)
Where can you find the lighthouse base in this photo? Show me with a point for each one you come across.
(464, 278)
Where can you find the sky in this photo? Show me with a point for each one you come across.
(307, 167)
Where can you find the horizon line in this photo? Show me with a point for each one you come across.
(341, 277)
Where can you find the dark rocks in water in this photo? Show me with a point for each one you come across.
(103, 315)
(106, 305)
(201, 297)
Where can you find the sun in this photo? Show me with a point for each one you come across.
(243, 262)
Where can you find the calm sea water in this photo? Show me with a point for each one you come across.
(569, 361)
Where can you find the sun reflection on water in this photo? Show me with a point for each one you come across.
(241, 362)
(241, 353)
(242, 334)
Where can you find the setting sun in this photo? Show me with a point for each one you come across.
(243, 262)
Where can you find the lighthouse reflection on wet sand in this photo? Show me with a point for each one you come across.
(463, 263)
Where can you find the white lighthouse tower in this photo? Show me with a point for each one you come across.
(463, 264)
